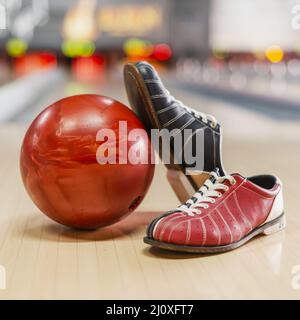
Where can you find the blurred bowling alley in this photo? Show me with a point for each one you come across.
(236, 59)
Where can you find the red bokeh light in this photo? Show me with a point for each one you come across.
(33, 62)
(89, 69)
(162, 52)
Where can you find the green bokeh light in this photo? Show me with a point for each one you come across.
(74, 49)
(16, 47)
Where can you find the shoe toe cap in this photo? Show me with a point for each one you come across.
(180, 229)
(174, 228)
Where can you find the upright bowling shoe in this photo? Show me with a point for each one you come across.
(222, 215)
(159, 110)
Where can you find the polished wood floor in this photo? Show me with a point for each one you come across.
(44, 260)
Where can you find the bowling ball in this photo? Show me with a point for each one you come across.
(63, 167)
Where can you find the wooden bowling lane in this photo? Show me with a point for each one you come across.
(48, 261)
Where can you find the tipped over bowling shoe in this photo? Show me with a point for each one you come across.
(158, 109)
(226, 212)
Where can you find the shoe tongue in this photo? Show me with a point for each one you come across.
(217, 172)
(212, 178)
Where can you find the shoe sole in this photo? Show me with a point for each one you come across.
(183, 185)
(268, 228)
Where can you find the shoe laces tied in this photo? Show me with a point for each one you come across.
(207, 194)
(206, 118)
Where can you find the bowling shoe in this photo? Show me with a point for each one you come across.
(158, 109)
(226, 212)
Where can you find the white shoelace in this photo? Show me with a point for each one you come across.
(200, 115)
(206, 194)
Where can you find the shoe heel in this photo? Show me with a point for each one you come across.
(180, 184)
(281, 224)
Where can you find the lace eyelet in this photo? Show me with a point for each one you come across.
(213, 201)
(213, 125)
(207, 206)
(196, 213)
(233, 182)
(227, 188)
(220, 194)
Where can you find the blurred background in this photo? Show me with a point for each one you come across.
(236, 59)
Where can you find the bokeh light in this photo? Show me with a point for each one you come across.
(274, 54)
(162, 52)
(218, 54)
(89, 69)
(34, 62)
(72, 49)
(16, 47)
(79, 21)
(129, 19)
(137, 48)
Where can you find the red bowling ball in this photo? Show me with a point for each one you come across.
(61, 164)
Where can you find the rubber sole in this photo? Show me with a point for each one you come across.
(268, 228)
(183, 185)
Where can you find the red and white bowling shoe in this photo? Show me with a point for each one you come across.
(222, 215)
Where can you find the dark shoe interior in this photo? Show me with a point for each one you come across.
(264, 181)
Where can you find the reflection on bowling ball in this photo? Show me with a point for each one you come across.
(62, 160)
